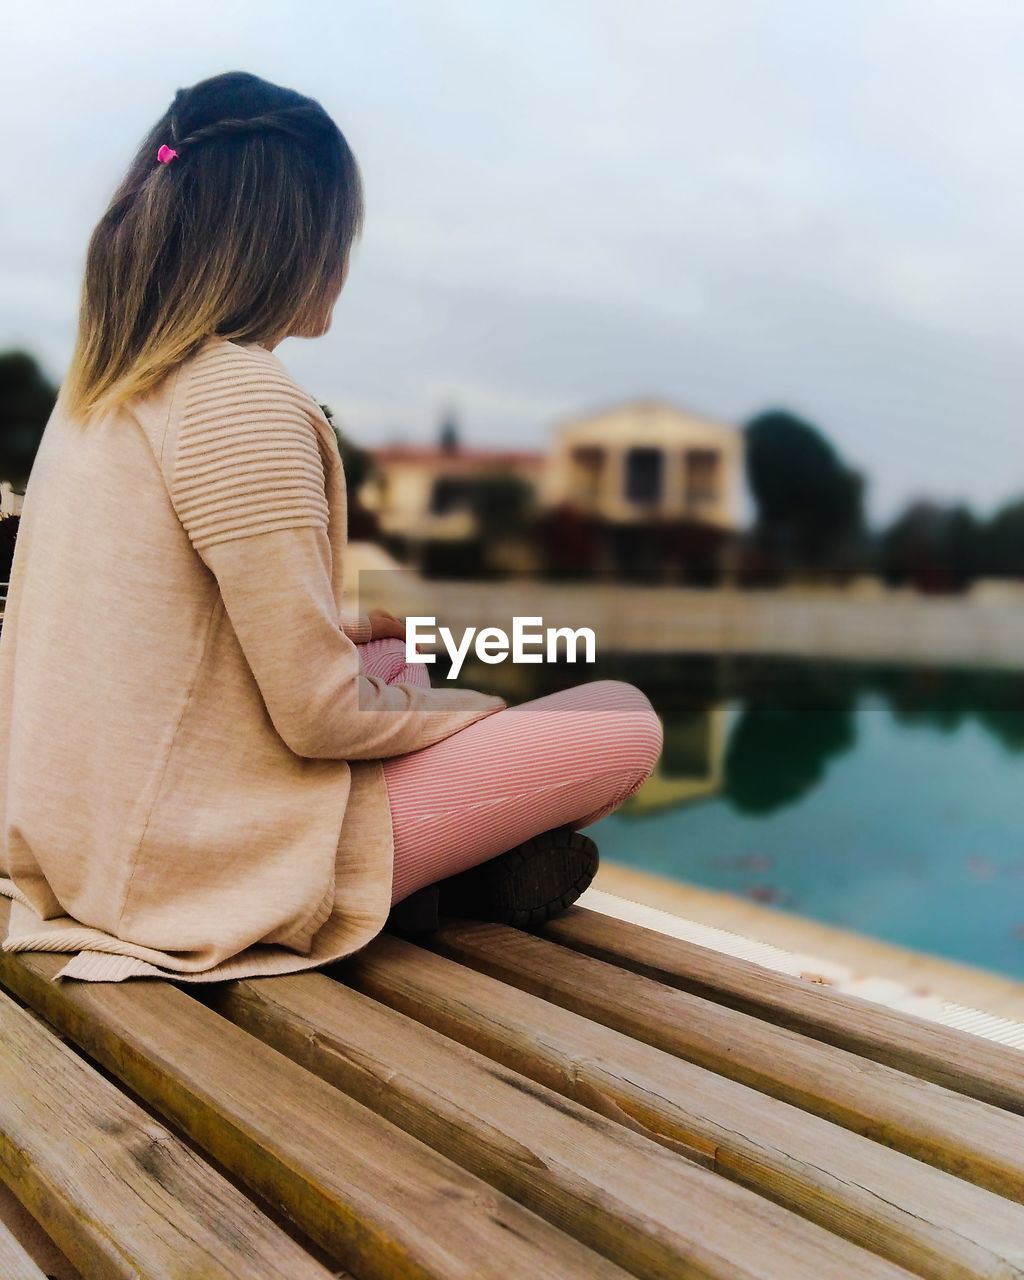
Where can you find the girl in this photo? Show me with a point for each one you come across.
(208, 770)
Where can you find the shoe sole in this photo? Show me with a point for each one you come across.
(527, 886)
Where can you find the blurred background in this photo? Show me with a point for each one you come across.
(697, 322)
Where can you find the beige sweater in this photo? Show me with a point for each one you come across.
(190, 776)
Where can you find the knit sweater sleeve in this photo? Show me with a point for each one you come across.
(246, 455)
(246, 479)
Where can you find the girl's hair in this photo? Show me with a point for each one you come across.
(245, 235)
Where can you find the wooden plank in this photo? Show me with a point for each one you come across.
(905, 1210)
(376, 1199)
(959, 1134)
(20, 1223)
(629, 1198)
(968, 1064)
(15, 1263)
(120, 1195)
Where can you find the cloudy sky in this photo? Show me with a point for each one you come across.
(731, 204)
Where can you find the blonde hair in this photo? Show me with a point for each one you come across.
(245, 235)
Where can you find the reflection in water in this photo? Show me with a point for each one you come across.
(776, 754)
(884, 799)
(1005, 724)
(794, 716)
(947, 699)
(691, 767)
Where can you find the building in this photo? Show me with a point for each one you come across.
(429, 494)
(645, 461)
(10, 499)
(641, 484)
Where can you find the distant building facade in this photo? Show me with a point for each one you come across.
(10, 499)
(646, 460)
(620, 485)
(423, 494)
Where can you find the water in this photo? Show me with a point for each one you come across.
(885, 800)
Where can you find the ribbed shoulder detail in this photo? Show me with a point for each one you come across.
(246, 457)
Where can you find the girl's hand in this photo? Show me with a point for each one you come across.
(385, 625)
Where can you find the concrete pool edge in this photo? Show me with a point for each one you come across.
(974, 1000)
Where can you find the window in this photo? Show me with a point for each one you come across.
(702, 477)
(451, 493)
(644, 475)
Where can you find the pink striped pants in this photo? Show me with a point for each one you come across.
(570, 757)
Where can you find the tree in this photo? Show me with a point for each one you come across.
(448, 435)
(934, 547)
(356, 464)
(356, 461)
(808, 501)
(26, 402)
(1002, 542)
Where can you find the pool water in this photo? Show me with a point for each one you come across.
(885, 800)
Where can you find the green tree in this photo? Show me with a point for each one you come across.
(448, 435)
(808, 501)
(26, 401)
(355, 461)
(1002, 542)
(935, 547)
(356, 464)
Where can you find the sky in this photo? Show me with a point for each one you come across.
(731, 205)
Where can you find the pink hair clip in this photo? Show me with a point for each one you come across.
(165, 155)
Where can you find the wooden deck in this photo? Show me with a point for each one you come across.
(596, 1101)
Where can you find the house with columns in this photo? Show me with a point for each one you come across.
(642, 469)
(646, 460)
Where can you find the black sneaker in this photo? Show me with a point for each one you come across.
(415, 914)
(528, 885)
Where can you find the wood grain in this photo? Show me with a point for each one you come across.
(900, 1208)
(376, 1199)
(116, 1192)
(965, 1063)
(968, 1138)
(652, 1211)
(15, 1263)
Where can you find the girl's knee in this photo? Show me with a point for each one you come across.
(640, 733)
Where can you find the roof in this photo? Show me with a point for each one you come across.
(432, 455)
(642, 405)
